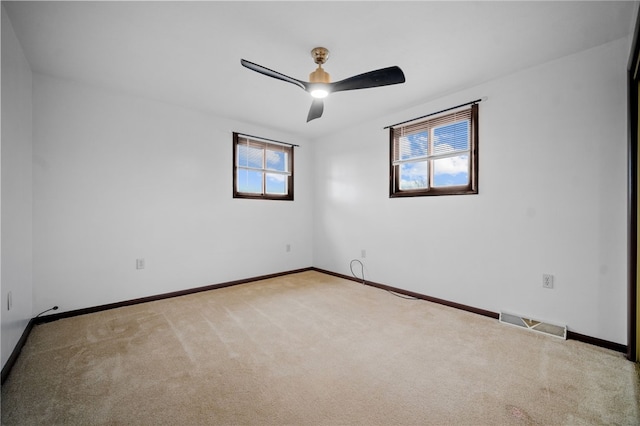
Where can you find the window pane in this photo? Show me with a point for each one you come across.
(249, 156)
(451, 171)
(276, 184)
(277, 160)
(413, 145)
(249, 181)
(451, 137)
(414, 175)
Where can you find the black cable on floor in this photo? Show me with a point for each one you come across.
(402, 296)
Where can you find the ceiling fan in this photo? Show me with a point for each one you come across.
(320, 85)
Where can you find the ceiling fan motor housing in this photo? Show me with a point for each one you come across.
(319, 76)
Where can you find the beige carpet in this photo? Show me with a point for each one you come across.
(310, 349)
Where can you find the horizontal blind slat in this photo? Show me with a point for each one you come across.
(269, 171)
(431, 157)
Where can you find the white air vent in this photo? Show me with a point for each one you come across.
(534, 325)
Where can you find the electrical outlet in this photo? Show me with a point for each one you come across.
(547, 280)
(288, 248)
(363, 253)
(139, 263)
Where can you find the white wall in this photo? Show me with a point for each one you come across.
(16, 264)
(552, 200)
(118, 178)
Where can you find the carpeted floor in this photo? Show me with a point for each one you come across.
(310, 349)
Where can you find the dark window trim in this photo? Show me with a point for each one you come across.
(237, 194)
(470, 189)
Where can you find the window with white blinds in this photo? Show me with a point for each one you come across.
(262, 169)
(436, 156)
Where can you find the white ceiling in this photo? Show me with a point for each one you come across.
(189, 53)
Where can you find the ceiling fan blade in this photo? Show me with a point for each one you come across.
(271, 73)
(377, 78)
(317, 107)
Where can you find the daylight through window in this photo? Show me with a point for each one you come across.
(436, 156)
(262, 169)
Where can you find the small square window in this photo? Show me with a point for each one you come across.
(438, 156)
(262, 170)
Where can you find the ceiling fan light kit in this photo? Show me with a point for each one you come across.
(320, 85)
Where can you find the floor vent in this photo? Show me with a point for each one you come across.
(534, 325)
